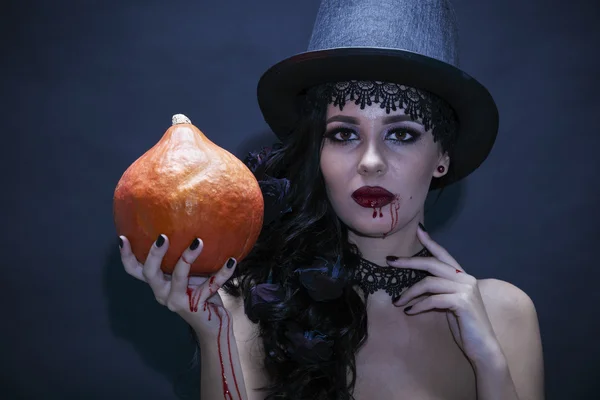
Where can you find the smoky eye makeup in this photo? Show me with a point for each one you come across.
(404, 134)
(339, 134)
(401, 135)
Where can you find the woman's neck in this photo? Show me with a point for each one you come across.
(402, 243)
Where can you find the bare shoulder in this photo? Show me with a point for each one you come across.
(505, 299)
(508, 307)
(515, 322)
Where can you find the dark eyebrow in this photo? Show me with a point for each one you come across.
(396, 118)
(343, 118)
(351, 120)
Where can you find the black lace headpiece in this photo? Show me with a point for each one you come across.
(432, 110)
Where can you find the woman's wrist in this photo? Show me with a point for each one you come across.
(210, 335)
(492, 359)
(494, 380)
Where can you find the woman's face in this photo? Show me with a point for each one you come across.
(372, 148)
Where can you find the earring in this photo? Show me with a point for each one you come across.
(441, 169)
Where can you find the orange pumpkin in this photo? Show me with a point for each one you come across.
(185, 187)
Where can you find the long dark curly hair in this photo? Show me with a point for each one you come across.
(310, 328)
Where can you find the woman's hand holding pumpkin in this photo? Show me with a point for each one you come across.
(195, 299)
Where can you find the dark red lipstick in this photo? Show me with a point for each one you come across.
(372, 197)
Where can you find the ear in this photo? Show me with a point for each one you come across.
(444, 161)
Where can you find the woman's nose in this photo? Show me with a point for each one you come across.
(372, 162)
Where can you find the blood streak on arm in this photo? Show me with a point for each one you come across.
(226, 393)
(194, 298)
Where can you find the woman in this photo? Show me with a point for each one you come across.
(345, 294)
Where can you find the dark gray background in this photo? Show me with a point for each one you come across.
(88, 86)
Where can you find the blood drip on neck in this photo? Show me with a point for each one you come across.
(394, 207)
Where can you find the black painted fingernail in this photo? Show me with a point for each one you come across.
(195, 244)
(391, 258)
(120, 242)
(230, 263)
(160, 240)
(422, 227)
(407, 309)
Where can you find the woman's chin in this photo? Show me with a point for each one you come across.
(376, 229)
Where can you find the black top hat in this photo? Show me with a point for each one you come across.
(410, 42)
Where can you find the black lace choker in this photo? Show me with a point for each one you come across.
(371, 277)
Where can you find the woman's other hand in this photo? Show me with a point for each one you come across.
(195, 299)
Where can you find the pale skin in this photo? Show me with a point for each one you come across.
(464, 338)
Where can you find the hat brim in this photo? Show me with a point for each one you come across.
(281, 87)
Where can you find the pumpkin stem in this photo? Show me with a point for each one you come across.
(180, 119)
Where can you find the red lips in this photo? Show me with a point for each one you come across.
(372, 196)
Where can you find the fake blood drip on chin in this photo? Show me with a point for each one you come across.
(194, 298)
(394, 207)
(375, 213)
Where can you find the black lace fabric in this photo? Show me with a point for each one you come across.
(371, 277)
(433, 111)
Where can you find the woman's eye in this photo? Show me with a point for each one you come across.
(403, 135)
(344, 135)
(341, 135)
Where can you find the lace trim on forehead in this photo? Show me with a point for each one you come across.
(433, 111)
